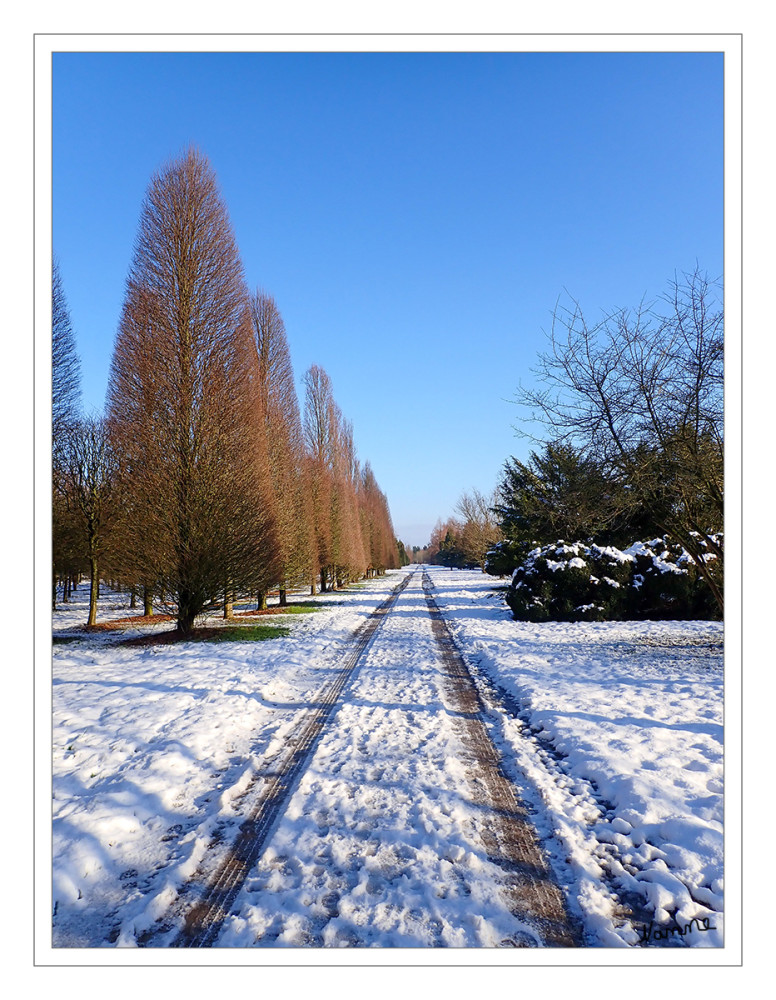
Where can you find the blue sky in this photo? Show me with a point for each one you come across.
(415, 216)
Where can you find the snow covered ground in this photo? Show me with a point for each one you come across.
(612, 732)
(625, 748)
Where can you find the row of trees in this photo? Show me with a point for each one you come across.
(204, 480)
(632, 441)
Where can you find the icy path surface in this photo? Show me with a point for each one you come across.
(611, 732)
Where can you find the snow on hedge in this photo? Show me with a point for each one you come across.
(583, 581)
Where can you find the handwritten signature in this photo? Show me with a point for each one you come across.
(653, 933)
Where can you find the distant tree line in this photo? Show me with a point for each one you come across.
(464, 539)
(204, 480)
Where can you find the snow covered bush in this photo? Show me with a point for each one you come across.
(570, 582)
(582, 581)
(666, 583)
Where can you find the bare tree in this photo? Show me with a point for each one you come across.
(348, 555)
(68, 558)
(335, 483)
(182, 398)
(87, 481)
(318, 432)
(641, 392)
(66, 368)
(479, 529)
(283, 424)
(379, 541)
(67, 553)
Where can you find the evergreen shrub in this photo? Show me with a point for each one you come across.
(503, 557)
(583, 581)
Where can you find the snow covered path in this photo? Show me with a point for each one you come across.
(382, 844)
(160, 753)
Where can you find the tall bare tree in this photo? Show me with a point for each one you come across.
(318, 411)
(335, 480)
(66, 367)
(380, 543)
(641, 392)
(67, 556)
(181, 398)
(280, 408)
(349, 561)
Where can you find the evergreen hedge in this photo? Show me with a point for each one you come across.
(583, 581)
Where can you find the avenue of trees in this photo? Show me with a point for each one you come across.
(204, 481)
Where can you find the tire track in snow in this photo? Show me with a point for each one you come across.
(631, 911)
(508, 835)
(272, 790)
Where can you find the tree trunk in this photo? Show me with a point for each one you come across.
(283, 599)
(132, 598)
(228, 604)
(313, 588)
(186, 622)
(187, 611)
(261, 603)
(323, 580)
(148, 604)
(94, 592)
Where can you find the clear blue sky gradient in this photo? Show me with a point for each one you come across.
(415, 216)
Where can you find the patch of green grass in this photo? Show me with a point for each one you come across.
(245, 633)
(65, 638)
(301, 608)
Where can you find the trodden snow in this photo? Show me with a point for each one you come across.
(611, 732)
